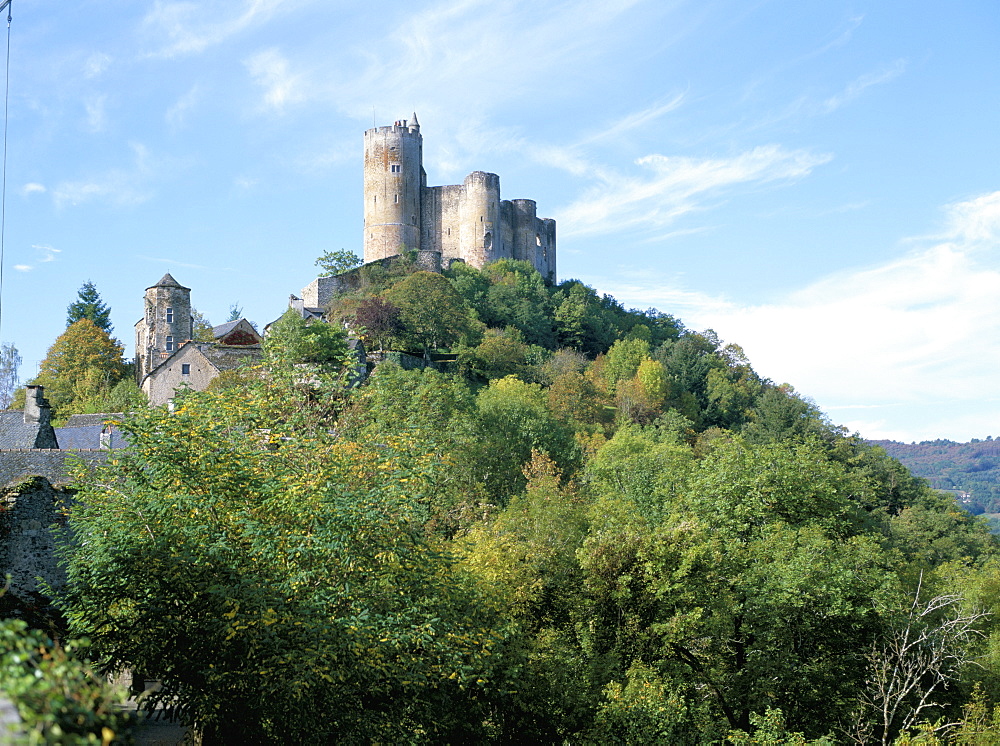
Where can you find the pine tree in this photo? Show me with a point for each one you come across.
(89, 305)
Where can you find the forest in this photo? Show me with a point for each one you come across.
(568, 523)
(972, 467)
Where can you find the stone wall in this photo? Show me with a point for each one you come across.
(31, 514)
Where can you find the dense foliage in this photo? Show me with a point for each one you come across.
(59, 697)
(596, 526)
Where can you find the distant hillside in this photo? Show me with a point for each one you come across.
(972, 468)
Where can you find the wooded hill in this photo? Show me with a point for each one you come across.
(972, 467)
(597, 527)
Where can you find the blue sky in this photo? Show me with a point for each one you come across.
(817, 182)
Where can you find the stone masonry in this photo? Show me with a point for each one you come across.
(461, 222)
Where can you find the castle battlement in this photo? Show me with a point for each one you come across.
(462, 222)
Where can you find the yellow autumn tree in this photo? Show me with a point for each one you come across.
(83, 362)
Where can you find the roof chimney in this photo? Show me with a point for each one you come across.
(36, 406)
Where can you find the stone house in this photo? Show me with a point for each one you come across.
(167, 358)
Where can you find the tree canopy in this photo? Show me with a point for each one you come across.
(587, 524)
(88, 305)
(81, 367)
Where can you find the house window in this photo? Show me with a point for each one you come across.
(185, 369)
(170, 315)
(395, 168)
(170, 343)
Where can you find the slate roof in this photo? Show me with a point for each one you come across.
(87, 436)
(227, 358)
(167, 281)
(223, 329)
(79, 420)
(16, 433)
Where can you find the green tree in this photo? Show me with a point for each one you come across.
(277, 579)
(292, 340)
(202, 327)
(83, 362)
(59, 697)
(235, 312)
(514, 420)
(433, 313)
(623, 360)
(337, 262)
(10, 363)
(88, 305)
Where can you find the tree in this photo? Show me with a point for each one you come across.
(235, 312)
(292, 341)
(10, 362)
(59, 697)
(924, 652)
(379, 320)
(432, 311)
(89, 305)
(83, 361)
(202, 327)
(277, 579)
(337, 262)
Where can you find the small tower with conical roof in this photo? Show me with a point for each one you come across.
(166, 324)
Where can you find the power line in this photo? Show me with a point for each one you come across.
(3, 192)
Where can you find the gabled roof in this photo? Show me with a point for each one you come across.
(87, 436)
(16, 433)
(227, 358)
(81, 420)
(223, 329)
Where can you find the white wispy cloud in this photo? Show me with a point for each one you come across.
(33, 187)
(121, 186)
(96, 116)
(178, 28)
(663, 188)
(271, 70)
(920, 332)
(47, 253)
(857, 86)
(23, 267)
(178, 112)
(96, 64)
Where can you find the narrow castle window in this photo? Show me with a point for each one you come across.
(538, 240)
(170, 343)
(395, 198)
(170, 315)
(395, 168)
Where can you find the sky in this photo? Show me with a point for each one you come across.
(816, 182)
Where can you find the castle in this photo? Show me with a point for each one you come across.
(466, 222)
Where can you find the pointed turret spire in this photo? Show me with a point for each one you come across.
(414, 124)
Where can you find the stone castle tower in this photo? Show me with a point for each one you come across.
(465, 222)
(166, 324)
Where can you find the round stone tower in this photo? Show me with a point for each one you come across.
(167, 324)
(480, 218)
(394, 177)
